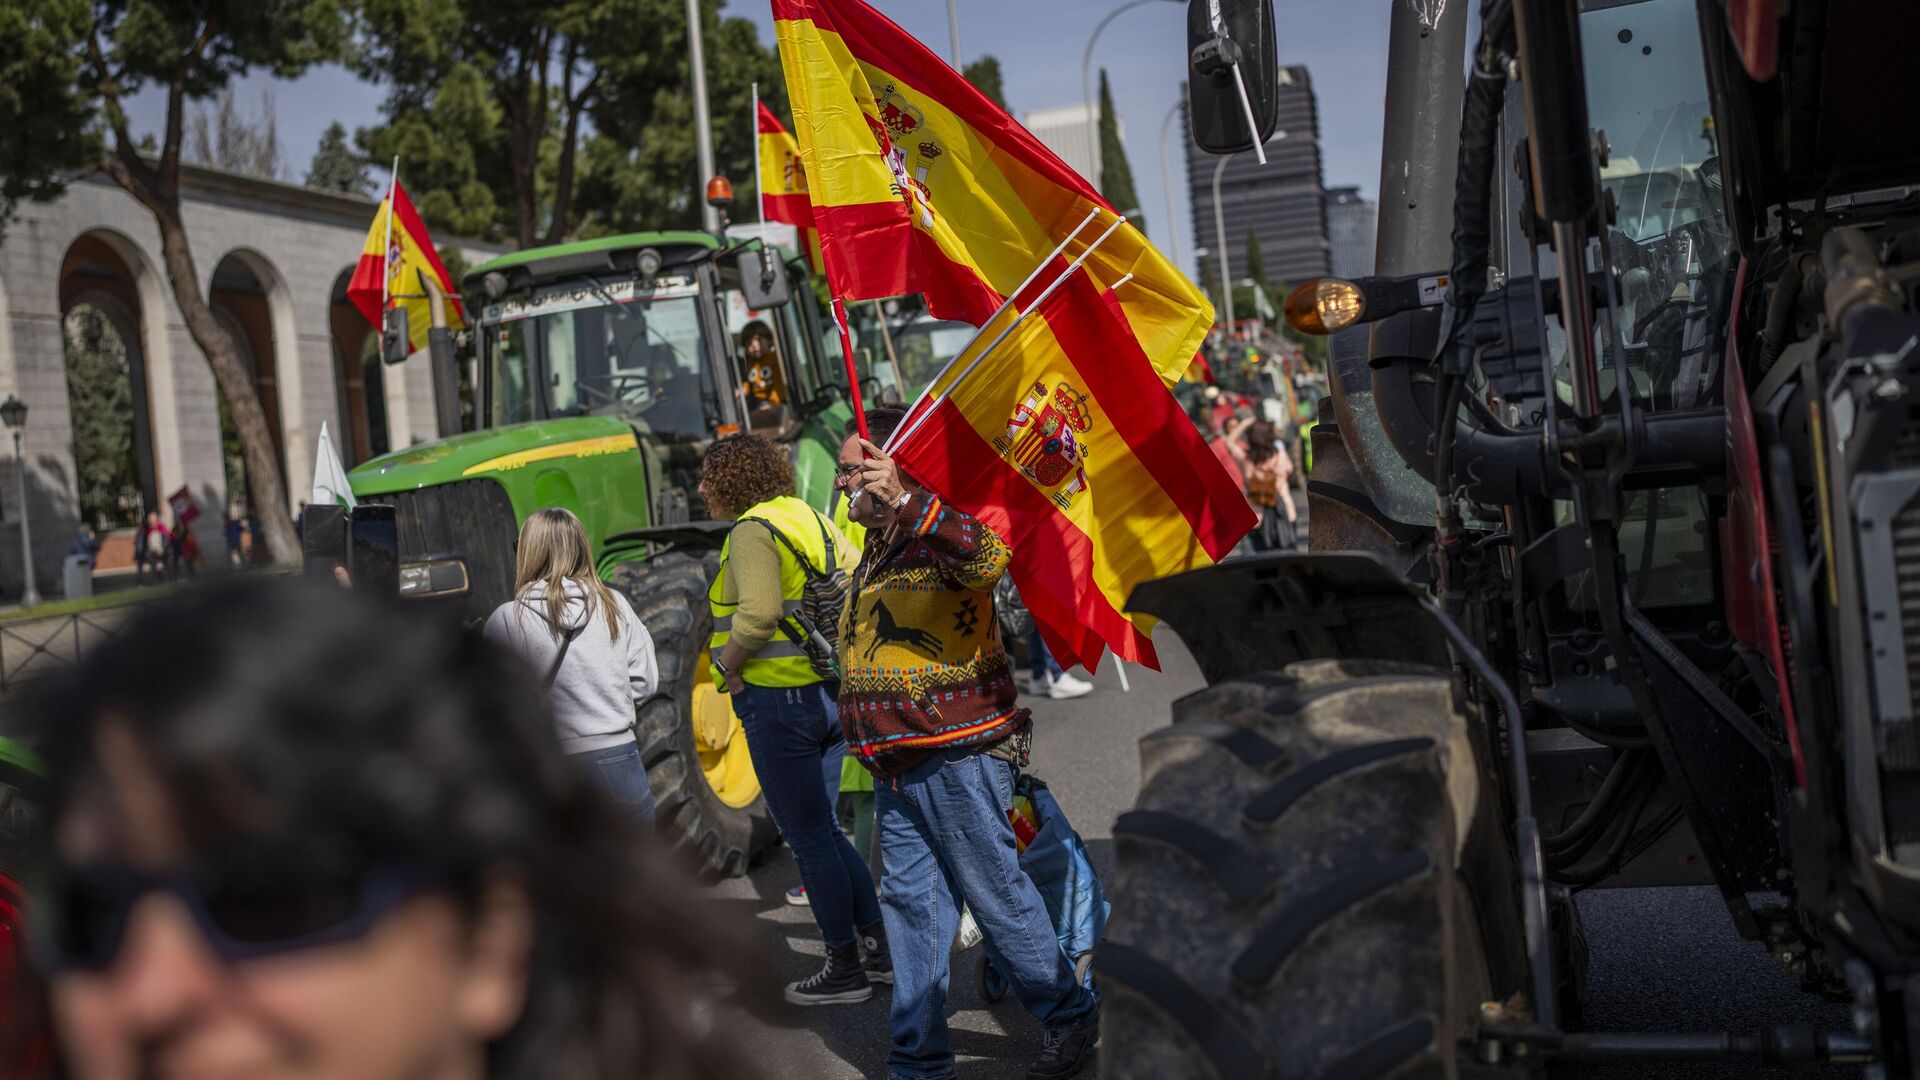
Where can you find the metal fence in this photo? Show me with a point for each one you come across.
(34, 648)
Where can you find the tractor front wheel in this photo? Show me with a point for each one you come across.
(707, 796)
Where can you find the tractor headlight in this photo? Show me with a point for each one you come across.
(437, 577)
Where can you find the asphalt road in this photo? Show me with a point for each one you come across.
(1662, 960)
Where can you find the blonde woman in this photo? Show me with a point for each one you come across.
(592, 651)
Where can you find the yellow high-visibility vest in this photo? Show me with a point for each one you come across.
(781, 662)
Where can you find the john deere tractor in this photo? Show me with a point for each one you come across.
(604, 370)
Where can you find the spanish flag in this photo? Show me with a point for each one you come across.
(397, 253)
(921, 184)
(783, 181)
(1067, 443)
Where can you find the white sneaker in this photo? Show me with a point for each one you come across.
(1065, 687)
(1039, 686)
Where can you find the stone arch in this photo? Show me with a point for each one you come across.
(295, 440)
(359, 378)
(105, 271)
(250, 300)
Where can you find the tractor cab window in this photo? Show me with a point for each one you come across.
(617, 348)
(772, 365)
(1673, 248)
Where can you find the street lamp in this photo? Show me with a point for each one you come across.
(1166, 179)
(13, 412)
(1220, 230)
(1086, 60)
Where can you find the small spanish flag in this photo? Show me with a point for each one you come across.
(783, 182)
(397, 253)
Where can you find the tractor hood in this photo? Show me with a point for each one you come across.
(494, 451)
(1816, 99)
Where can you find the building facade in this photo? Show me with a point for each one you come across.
(275, 260)
(1282, 201)
(1351, 226)
(1072, 132)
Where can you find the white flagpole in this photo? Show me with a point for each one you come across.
(386, 244)
(900, 437)
(999, 311)
(759, 174)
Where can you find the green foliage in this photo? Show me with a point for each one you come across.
(1116, 177)
(100, 396)
(46, 128)
(984, 74)
(1256, 265)
(336, 167)
(541, 123)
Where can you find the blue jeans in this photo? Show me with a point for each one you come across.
(618, 772)
(793, 736)
(1039, 657)
(944, 840)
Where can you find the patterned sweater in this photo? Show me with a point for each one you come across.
(922, 665)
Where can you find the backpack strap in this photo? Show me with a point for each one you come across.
(805, 565)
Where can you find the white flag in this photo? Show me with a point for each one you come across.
(329, 474)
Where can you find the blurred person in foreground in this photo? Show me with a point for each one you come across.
(595, 655)
(788, 709)
(929, 703)
(295, 832)
(1270, 488)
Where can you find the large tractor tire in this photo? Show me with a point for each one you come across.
(707, 797)
(1287, 902)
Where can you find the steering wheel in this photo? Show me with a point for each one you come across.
(632, 388)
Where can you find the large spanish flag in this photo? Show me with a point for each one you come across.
(783, 181)
(921, 184)
(397, 252)
(1067, 443)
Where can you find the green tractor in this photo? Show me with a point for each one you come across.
(604, 370)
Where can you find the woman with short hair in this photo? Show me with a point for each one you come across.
(592, 651)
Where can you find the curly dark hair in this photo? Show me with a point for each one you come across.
(743, 471)
(285, 709)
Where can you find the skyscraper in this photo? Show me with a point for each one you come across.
(1281, 201)
(1073, 133)
(1351, 221)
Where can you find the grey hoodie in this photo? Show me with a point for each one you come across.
(600, 680)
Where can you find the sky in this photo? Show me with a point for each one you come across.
(1040, 44)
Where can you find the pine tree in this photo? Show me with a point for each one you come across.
(1116, 178)
(1256, 266)
(984, 74)
(100, 397)
(336, 167)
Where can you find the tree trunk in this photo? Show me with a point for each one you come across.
(237, 386)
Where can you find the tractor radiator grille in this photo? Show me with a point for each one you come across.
(472, 520)
(1903, 743)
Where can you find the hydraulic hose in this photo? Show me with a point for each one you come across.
(1602, 804)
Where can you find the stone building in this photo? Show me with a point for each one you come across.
(275, 260)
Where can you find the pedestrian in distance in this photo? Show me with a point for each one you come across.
(945, 745)
(186, 549)
(235, 532)
(1270, 488)
(86, 543)
(591, 651)
(786, 704)
(296, 831)
(152, 549)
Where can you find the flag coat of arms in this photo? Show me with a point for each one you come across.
(398, 250)
(1068, 445)
(919, 183)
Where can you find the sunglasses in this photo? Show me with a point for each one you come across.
(245, 908)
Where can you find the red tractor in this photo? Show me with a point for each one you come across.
(1615, 568)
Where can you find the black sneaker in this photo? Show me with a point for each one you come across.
(874, 955)
(842, 981)
(1064, 1053)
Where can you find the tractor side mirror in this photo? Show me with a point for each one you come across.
(396, 343)
(1233, 71)
(763, 279)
